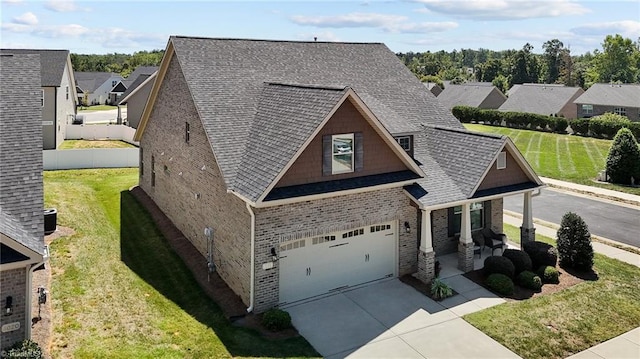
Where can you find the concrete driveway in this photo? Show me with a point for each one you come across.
(389, 319)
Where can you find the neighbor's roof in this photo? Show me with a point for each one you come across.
(21, 191)
(52, 64)
(543, 99)
(226, 78)
(623, 95)
(90, 81)
(467, 94)
(139, 82)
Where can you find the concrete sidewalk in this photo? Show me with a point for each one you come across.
(593, 191)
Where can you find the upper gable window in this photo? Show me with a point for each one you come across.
(342, 158)
(501, 162)
(113, 83)
(405, 143)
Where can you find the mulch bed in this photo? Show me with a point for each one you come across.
(232, 306)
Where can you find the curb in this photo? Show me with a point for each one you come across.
(595, 194)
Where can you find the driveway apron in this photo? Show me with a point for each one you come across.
(389, 319)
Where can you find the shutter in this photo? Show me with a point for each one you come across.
(487, 214)
(359, 154)
(450, 216)
(326, 155)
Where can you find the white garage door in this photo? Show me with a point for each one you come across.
(314, 266)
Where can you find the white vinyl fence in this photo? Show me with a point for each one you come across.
(90, 158)
(101, 132)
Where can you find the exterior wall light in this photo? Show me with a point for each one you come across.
(274, 256)
(407, 228)
(8, 308)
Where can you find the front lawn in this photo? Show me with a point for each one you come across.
(74, 144)
(119, 291)
(97, 108)
(567, 322)
(563, 157)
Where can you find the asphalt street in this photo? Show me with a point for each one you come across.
(108, 116)
(605, 219)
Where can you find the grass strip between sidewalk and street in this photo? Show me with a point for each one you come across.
(119, 291)
(564, 157)
(567, 322)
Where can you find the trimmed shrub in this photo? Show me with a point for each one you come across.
(623, 160)
(549, 274)
(499, 264)
(24, 349)
(528, 279)
(440, 290)
(574, 243)
(520, 259)
(500, 284)
(541, 254)
(580, 126)
(560, 125)
(276, 319)
(466, 114)
(607, 125)
(635, 129)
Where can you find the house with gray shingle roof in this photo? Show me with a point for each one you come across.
(136, 98)
(622, 99)
(296, 168)
(59, 97)
(433, 87)
(477, 95)
(99, 88)
(543, 99)
(22, 246)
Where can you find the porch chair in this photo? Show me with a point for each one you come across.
(478, 243)
(494, 240)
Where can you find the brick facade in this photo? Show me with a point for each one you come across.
(13, 283)
(633, 113)
(189, 186)
(312, 218)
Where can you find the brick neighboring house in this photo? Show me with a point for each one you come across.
(622, 99)
(99, 88)
(58, 98)
(22, 246)
(478, 95)
(317, 166)
(543, 99)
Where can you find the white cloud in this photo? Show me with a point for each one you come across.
(17, 28)
(58, 31)
(61, 5)
(386, 22)
(627, 28)
(28, 18)
(505, 9)
(12, 2)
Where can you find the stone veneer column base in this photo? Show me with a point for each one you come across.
(527, 235)
(465, 256)
(426, 266)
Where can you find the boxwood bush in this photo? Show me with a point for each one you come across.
(276, 319)
(549, 274)
(607, 125)
(574, 243)
(520, 259)
(541, 253)
(623, 160)
(580, 126)
(528, 279)
(500, 284)
(499, 264)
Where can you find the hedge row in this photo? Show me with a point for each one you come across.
(605, 126)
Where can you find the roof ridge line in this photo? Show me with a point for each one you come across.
(272, 40)
(473, 133)
(309, 86)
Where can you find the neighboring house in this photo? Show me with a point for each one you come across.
(543, 99)
(433, 87)
(99, 88)
(478, 95)
(623, 99)
(145, 71)
(297, 168)
(59, 99)
(136, 99)
(22, 246)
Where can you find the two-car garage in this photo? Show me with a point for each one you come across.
(322, 264)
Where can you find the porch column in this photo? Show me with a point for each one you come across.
(527, 231)
(426, 255)
(465, 244)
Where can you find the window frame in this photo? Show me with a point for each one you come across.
(622, 111)
(399, 139)
(187, 132)
(350, 152)
(42, 98)
(457, 220)
(501, 160)
(587, 109)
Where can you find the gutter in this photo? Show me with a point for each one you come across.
(253, 260)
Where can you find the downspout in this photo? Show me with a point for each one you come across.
(55, 119)
(253, 250)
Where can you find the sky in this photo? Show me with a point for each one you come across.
(101, 27)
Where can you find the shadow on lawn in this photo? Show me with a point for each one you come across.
(146, 240)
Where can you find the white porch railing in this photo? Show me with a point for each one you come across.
(90, 158)
(101, 132)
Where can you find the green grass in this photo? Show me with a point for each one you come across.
(119, 291)
(563, 157)
(567, 322)
(75, 144)
(97, 108)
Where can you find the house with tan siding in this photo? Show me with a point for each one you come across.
(302, 168)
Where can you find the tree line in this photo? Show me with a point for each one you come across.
(122, 64)
(618, 61)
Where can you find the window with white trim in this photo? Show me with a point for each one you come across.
(587, 109)
(405, 143)
(501, 161)
(622, 111)
(342, 156)
(476, 213)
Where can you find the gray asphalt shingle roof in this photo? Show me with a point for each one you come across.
(542, 99)
(90, 81)
(52, 64)
(21, 191)
(623, 95)
(466, 95)
(226, 76)
(132, 86)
